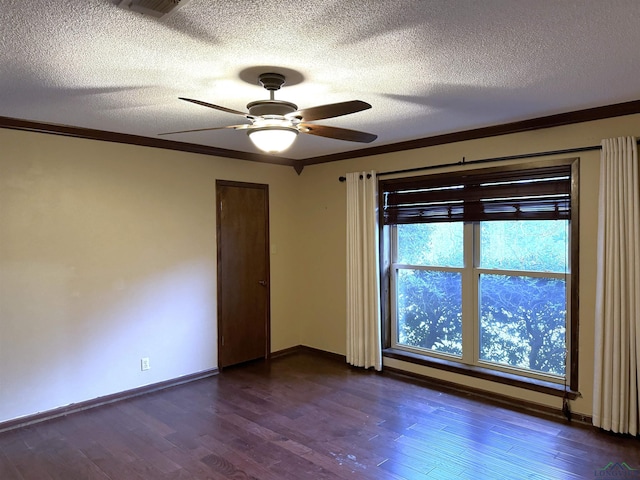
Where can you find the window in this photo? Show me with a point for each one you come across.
(479, 268)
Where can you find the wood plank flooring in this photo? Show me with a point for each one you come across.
(302, 417)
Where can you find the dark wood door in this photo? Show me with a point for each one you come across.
(243, 272)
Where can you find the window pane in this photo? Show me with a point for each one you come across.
(533, 245)
(432, 244)
(523, 322)
(430, 310)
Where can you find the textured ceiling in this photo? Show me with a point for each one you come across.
(428, 67)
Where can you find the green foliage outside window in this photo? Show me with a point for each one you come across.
(522, 317)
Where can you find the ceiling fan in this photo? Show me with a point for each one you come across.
(275, 124)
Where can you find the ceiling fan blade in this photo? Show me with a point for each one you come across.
(329, 111)
(216, 107)
(337, 133)
(234, 127)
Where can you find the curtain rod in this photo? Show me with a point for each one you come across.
(486, 160)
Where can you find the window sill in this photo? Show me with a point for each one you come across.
(536, 385)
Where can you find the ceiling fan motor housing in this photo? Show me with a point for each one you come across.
(271, 107)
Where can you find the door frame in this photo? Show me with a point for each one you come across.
(267, 255)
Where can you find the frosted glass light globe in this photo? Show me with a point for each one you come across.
(273, 139)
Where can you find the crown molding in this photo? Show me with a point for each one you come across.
(557, 120)
(560, 119)
(92, 134)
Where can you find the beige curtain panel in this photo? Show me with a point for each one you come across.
(364, 346)
(617, 335)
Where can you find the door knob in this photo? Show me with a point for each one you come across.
(262, 282)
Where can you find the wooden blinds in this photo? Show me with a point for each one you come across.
(542, 193)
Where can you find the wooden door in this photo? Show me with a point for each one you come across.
(243, 272)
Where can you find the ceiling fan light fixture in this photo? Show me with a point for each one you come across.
(273, 139)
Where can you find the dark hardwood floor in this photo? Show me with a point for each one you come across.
(305, 416)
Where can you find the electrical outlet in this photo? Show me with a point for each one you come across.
(144, 363)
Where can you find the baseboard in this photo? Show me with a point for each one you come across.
(308, 350)
(493, 398)
(285, 352)
(105, 400)
(116, 397)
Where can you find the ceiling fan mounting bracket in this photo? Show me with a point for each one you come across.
(271, 81)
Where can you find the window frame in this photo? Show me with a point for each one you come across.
(508, 376)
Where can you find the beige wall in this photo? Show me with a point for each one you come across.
(323, 233)
(108, 255)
